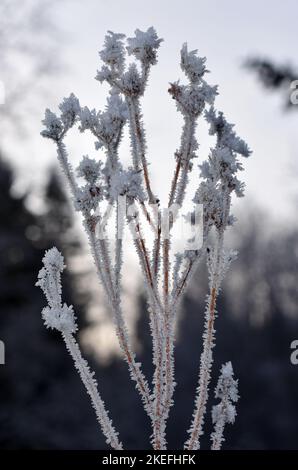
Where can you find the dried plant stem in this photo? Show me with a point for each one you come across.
(91, 387)
(162, 366)
(178, 187)
(196, 429)
(121, 329)
(185, 277)
(118, 252)
(156, 251)
(158, 431)
(187, 141)
(156, 330)
(205, 373)
(148, 217)
(102, 260)
(132, 132)
(134, 367)
(182, 283)
(66, 167)
(139, 144)
(169, 337)
(175, 181)
(218, 435)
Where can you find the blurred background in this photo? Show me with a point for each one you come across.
(49, 49)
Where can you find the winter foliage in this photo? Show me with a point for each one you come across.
(100, 184)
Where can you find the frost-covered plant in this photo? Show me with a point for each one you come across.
(106, 184)
(61, 317)
(225, 412)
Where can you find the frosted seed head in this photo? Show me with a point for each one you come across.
(70, 109)
(88, 119)
(61, 319)
(227, 386)
(144, 46)
(107, 125)
(89, 169)
(53, 260)
(192, 65)
(53, 124)
(112, 53)
(191, 100)
(224, 412)
(131, 81)
(88, 197)
(49, 276)
(209, 195)
(104, 74)
(117, 107)
(225, 132)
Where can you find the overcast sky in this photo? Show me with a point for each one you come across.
(226, 32)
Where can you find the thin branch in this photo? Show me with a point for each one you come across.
(138, 144)
(91, 386)
(105, 277)
(196, 428)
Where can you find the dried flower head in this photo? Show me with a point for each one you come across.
(144, 46)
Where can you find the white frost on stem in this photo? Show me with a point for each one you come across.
(220, 180)
(166, 274)
(225, 412)
(61, 317)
